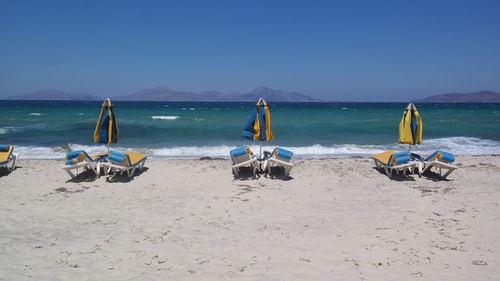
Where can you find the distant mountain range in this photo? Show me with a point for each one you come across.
(165, 94)
(270, 95)
(54, 95)
(481, 96)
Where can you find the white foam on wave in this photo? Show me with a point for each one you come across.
(36, 114)
(59, 152)
(455, 145)
(40, 152)
(160, 117)
(5, 130)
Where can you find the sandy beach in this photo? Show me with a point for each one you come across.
(334, 219)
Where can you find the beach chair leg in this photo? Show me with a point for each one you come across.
(69, 172)
(426, 167)
(448, 173)
(388, 172)
(14, 159)
(111, 170)
(287, 171)
(97, 169)
(235, 172)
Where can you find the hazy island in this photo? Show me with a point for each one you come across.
(481, 96)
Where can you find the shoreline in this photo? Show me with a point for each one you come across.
(208, 158)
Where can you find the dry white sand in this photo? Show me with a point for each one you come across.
(335, 219)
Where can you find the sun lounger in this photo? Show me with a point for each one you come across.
(243, 157)
(394, 161)
(80, 159)
(439, 159)
(7, 157)
(279, 157)
(119, 162)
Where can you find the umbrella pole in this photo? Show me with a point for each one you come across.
(260, 154)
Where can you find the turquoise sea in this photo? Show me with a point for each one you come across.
(49, 129)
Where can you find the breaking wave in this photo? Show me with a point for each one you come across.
(455, 145)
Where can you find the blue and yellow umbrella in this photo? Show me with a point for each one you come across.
(410, 127)
(258, 126)
(106, 130)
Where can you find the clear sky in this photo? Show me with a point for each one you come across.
(337, 50)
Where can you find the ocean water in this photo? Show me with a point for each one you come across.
(49, 129)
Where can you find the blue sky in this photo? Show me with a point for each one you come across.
(349, 50)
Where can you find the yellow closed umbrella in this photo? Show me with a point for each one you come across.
(106, 130)
(258, 126)
(410, 127)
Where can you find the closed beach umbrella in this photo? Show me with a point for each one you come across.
(410, 127)
(106, 131)
(258, 126)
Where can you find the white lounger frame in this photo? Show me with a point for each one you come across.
(273, 161)
(253, 163)
(12, 159)
(85, 165)
(410, 166)
(440, 165)
(115, 168)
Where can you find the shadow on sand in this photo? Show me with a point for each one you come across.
(395, 176)
(433, 176)
(279, 173)
(85, 176)
(123, 176)
(4, 171)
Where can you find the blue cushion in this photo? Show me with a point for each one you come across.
(447, 156)
(73, 154)
(283, 153)
(444, 155)
(430, 157)
(399, 154)
(416, 156)
(119, 153)
(116, 157)
(401, 159)
(239, 151)
(4, 147)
